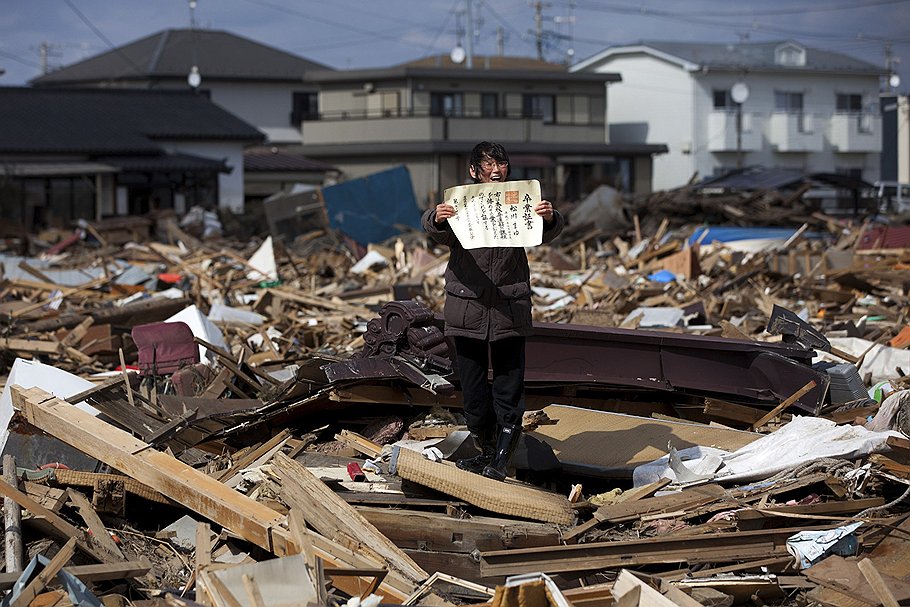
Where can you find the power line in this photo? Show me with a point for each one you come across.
(103, 38)
(644, 11)
(19, 59)
(372, 33)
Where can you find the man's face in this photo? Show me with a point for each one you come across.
(491, 170)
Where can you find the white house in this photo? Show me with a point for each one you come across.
(722, 106)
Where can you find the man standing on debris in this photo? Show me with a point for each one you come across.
(488, 315)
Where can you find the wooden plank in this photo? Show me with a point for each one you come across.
(93, 521)
(33, 588)
(360, 443)
(197, 491)
(732, 411)
(91, 573)
(55, 524)
(439, 532)
(783, 405)
(328, 514)
(320, 548)
(30, 346)
(688, 498)
(677, 548)
(49, 497)
(253, 454)
(634, 494)
(877, 582)
(845, 576)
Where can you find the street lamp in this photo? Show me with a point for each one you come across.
(739, 92)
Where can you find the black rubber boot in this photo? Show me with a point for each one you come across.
(487, 447)
(505, 447)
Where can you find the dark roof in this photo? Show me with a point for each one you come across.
(116, 121)
(564, 150)
(515, 71)
(762, 178)
(165, 163)
(171, 53)
(268, 160)
(760, 56)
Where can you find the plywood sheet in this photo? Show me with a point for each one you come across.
(613, 444)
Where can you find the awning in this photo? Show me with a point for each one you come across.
(166, 163)
(52, 169)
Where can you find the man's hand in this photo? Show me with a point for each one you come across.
(544, 209)
(443, 211)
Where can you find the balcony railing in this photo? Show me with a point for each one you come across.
(722, 132)
(795, 132)
(384, 127)
(856, 132)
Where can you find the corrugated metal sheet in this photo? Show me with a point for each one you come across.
(885, 237)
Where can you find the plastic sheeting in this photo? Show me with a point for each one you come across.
(31, 374)
(803, 440)
(368, 209)
(879, 360)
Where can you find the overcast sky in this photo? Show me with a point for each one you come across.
(374, 33)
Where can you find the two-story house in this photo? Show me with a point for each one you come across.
(428, 115)
(260, 84)
(723, 106)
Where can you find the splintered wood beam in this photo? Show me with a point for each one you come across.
(27, 594)
(328, 513)
(55, 525)
(187, 486)
(786, 403)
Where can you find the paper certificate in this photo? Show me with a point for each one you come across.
(498, 214)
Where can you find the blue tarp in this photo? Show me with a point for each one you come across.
(733, 233)
(367, 209)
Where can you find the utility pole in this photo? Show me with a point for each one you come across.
(538, 28)
(46, 50)
(470, 37)
(891, 63)
(500, 41)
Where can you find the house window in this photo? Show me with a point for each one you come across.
(489, 105)
(304, 106)
(539, 106)
(722, 100)
(849, 102)
(789, 102)
(446, 104)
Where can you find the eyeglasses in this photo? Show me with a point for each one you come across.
(486, 165)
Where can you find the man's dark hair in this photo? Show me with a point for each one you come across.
(493, 151)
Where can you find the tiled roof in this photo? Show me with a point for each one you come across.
(116, 121)
(759, 55)
(268, 160)
(171, 54)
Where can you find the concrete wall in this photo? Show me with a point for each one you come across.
(653, 104)
(265, 105)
